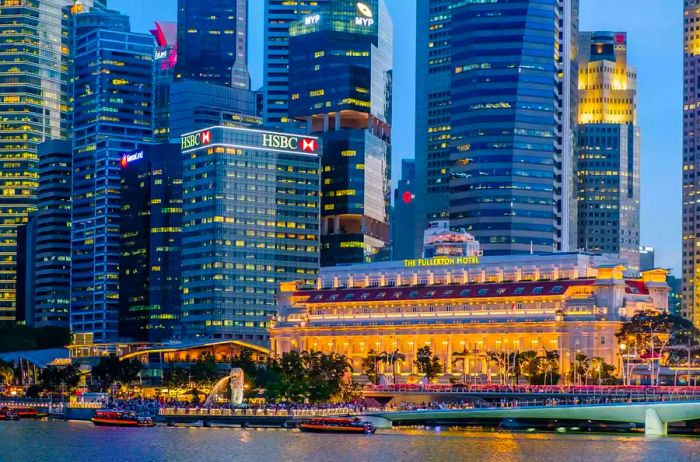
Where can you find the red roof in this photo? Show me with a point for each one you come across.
(636, 287)
(436, 292)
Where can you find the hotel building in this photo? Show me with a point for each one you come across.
(608, 164)
(568, 302)
(251, 203)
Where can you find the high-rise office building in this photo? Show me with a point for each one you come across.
(646, 258)
(113, 87)
(279, 14)
(512, 122)
(691, 159)
(151, 229)
(195, 105)
(51, 285)
(432, 129)
(608, 151)
(340, 85)
(212, 42)
(251, 222)
(165, 34)
(403, 214)
(34, 106)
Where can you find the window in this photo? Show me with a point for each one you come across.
(537, 290)
(381, 295)
(519, 290)
(501, 291)
(333, 297)
(557, 289)
(465, 292)
(413, 294)
(447, 292)
(398, 294)
(317, 298)
(349, 296)
(483, 291)
(364, 296)
(430, 293)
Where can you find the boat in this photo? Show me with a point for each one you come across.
(116, 418)
(8, 414)
(338, 425)
(29, 413)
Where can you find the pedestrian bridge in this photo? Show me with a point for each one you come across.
(654, 416)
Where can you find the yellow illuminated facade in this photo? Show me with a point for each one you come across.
(691, 159)
(569, 303)
(608, 148)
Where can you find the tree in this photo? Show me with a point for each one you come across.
(60, 380)
(369, 366)
(391, 359)
(204, 372)
(7, 373)
(529, 364)
(110, 370)
(427, 363)
(176, 377)
(648, 330)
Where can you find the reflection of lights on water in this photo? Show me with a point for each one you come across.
(438, 429)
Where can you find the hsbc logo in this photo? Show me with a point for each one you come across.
(292, 143)
(196, 139)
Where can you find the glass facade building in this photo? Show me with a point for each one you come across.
(52, 247)
(212, 42)
(279, 14)
(113, 87)
(251, 221)
(608, 151)
(151, 231)
(165, 58)
(194, 105)
(432, 129)
(34, 106)
(691, 159)
(340, 85)
(403, 214)
(513, 75)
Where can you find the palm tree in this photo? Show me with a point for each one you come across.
(390, 359)
(461, 356)
(7, 373)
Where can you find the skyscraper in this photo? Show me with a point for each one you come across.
(403, 216)
(52, 221)
(251, 221)
(691, 158)
(608, 164)
(151, 231)
(279, 14)
(212, 42)
(340, 85)
(165, 57)
(512, 125)
(34, 106)
(113, 87)
(432, 129)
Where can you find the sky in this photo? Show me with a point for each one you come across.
(655, 37)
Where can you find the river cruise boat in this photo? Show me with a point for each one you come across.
(29, 413)
(8, 414)
(338, 425)
(114, 418)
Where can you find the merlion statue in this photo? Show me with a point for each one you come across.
(237, 382)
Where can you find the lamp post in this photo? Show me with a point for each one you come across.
(623, 347)
(655, 378)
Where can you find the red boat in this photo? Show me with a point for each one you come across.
(338, 425)
(112, 418)
(29, 413)
(8, 414)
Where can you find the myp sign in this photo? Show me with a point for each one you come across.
(364, 15)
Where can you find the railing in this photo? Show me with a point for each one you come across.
(259, 412)
(592, 390)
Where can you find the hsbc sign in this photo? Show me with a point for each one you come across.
(289, 142)
(195, 140)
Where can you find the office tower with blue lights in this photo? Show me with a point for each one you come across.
(250, 222)
(113, 88)
(608, 150)
(34, 106)
(212, 42)
(340, 86)
(151, 228)
(165, 59)
(691, 158)
(512, 124)
(403, 214)
(279, 15)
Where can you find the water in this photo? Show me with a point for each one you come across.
(55, 441)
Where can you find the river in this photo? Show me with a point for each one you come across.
(57, 441)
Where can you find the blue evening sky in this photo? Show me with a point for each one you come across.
(655, 47)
